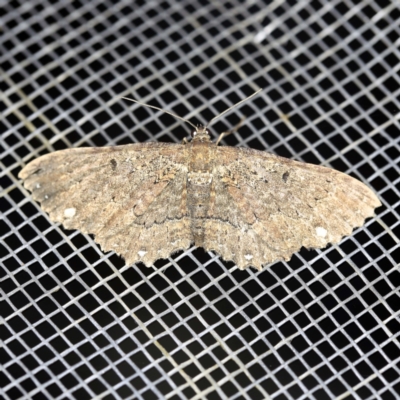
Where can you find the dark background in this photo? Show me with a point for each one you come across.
(77, 323)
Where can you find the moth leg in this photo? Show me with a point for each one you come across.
(234, 129)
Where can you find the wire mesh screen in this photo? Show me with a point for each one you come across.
(79, 324)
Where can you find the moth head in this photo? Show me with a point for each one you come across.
(201, 133)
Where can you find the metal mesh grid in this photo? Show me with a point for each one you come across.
(77, 323)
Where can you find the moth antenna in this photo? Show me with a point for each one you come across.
(230, 108)
(160, 109)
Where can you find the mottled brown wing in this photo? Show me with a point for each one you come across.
(129, 197)
(267, 207)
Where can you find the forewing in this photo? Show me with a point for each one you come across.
(129, 197)
(267, 207)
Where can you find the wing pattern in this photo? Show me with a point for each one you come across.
(133, 199)
(129, 197)
(268, 207)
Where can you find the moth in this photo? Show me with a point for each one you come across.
(146, 201)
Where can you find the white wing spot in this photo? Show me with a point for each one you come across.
(69, 212)
(248, 257)
(321, 232)
(141, 253)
